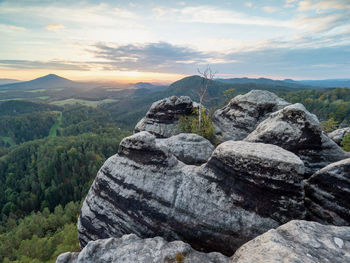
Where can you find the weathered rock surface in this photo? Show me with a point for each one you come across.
(189, 148)
(328, 194)
(338, 135)
(162, 117)
(298, 242)
(244, 112)
(297, 130)
(243, 190)
(68, 257)
(131, 249)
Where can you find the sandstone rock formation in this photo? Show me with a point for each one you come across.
(328, 194)
(131, 249)
(243, 190)
(189, 148)
(338, 135)
(162, 117)
(297, 130)
(298, 242)
(164, 187)
(244, 112)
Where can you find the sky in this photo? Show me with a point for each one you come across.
(162, 41)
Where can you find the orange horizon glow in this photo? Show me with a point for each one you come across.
(122, 77)
(117, 77)
(120, 41)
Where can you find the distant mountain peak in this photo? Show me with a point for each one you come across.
(8, 81)
(51, 77)
(45, 82)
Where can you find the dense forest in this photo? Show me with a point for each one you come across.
(48, 172)
(325, 103)
(40, 237)
(82, 119)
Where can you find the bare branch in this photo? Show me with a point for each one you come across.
(207, 75)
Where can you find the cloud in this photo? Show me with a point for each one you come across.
(270, 9)
(155, 57)
(54, 27)
(306, 5)
(213, 15)
(53, 64)
(314, 25)
(270, 58)
(11, 29)
(308, 62)
(290, 3)
(81, 14)
(125, 14)
(147, 57)
(323, 21)
(19, 28)
(273, 59)
(83, 21)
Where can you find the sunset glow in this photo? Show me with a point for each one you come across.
(162, 41)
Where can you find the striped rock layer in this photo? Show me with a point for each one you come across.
(243, 190)
(328, 194)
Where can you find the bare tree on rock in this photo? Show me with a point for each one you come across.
(207, 75)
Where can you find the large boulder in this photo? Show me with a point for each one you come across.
(297, 130)
(244, 112)
(132, 249)
(338, 135)
(163, 116)
(327, 194)
(298, 242)
(243, 190)
(189, 148)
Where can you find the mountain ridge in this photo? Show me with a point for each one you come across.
(49, 81)
(56, 81)
(8, 81)
(310, 84)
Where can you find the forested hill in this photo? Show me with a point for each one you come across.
(129, 110)
(190, 86)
